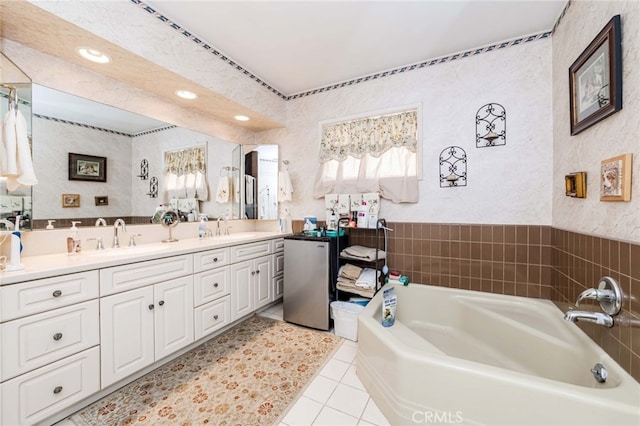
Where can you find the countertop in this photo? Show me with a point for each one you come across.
(36, 267)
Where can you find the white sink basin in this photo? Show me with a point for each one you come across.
(128, 251)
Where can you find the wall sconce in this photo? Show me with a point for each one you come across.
(144, 169)
(576, 185)
(453, 167)
(153, 187)
(491, 126)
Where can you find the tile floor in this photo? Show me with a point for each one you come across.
(335, 396)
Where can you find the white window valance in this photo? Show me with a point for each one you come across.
(185, 174)
(371, 135)
(372, 154)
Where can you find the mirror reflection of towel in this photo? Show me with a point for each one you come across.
(222, 193)
(250, 184)
(17, 166)
(285, 188)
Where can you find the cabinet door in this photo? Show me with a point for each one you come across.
(242, 302)
(126, 325)
(263, 281)
(173, 302)
(278, 287)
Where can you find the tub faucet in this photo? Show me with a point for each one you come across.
(595, 317)
(123, 227)
(101, 222)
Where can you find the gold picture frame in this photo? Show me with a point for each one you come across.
(615, 178)
(70, 200)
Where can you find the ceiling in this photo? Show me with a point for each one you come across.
(298, 46)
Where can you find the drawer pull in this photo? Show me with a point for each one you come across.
(215, 317)
(253, 272)
(214, 260)
(57, 336)
(151, 307)
(57, 389)
(258, 271)
(57, 293)
(216, 285)
(161, 302)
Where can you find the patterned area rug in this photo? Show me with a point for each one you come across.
(246, 376)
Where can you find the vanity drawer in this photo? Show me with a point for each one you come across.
(250, 251)
(127, 277)
(211, 259)
(40, 339)
(278, 245)
(32, 297)
(278, 264)
(208, 286)
(41, 393)
(212, 316)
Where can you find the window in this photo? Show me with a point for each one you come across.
(371, 154)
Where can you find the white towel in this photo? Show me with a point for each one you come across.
(285, 188)
(249, 188)
(16, 162)
(224, 188)
(367, 278)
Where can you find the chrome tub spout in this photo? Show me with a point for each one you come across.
(594, 317)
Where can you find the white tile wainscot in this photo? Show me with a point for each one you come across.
(99, 320)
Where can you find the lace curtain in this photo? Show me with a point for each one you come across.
(185, 174)
(373, 154)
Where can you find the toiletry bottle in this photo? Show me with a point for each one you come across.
(73, 240)
(15, 263)
(363, 216)
(202, 228)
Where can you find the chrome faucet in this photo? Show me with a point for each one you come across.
(596, 294)
(123, 227)
(595, 317)
(101, 222)
(226, 227)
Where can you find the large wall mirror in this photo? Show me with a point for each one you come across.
(15, 86)
(131, 148)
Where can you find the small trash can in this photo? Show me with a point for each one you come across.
(345, 317)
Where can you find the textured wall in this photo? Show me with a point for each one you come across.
(507, 185)
(613, 136)
(50, 161)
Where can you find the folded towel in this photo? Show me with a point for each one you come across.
(350, 271)
(363, 253)
(285, 188)
(368, 278)
(351, 288)
(224, 188)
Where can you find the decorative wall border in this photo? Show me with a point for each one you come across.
(419, 65)
(102, 129)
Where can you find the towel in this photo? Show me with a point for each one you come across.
(16, 165)
(367, 278)
(363, 253)
(350, 271)
(224, 188)
(249, 188)
(285, 188)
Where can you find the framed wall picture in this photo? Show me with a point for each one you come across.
(70, 200)
(102, 201)
(87, 167)
(615, 178)
(595, 79)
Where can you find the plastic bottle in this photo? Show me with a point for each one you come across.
(73, 240)
(202, 228)
(15, 263)
(363, 216)
(286, 226)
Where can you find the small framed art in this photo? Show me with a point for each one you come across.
(87, 167)
(70, 200)
(615, 178)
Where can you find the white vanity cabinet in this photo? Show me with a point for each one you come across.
(143, 325)
(251, 280)
(50, 335)
(278, 269)
(211, 292)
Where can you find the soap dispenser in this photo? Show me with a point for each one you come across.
(73, 240)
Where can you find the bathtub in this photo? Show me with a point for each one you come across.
(465, 357)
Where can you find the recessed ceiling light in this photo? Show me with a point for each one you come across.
(93, 55)
(185, 94)
(241, 118)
